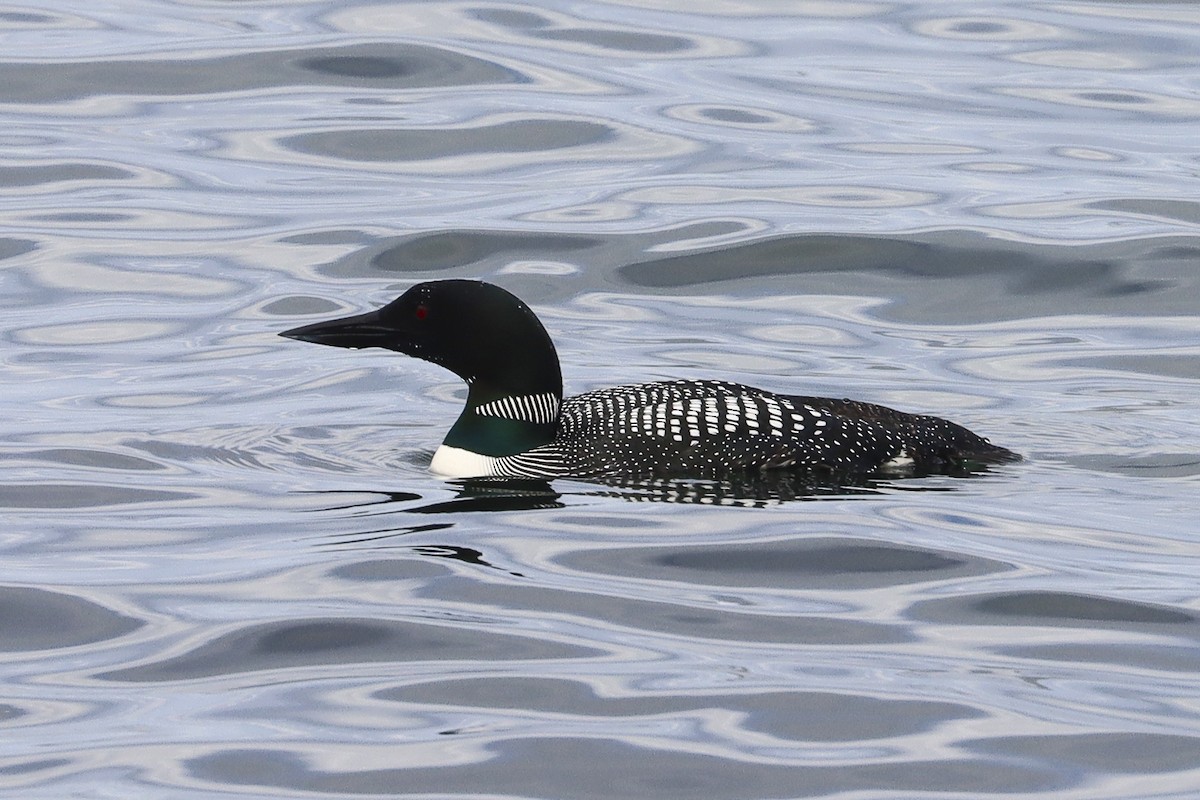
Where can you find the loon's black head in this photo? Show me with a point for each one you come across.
(478, 331)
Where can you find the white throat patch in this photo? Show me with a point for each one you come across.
(454, 462)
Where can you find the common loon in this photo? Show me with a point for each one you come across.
(516, 423)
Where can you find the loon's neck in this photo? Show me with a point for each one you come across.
(499, 423)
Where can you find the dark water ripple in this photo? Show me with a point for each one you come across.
(383, 65)
(518, 136)
(36, 619)
(579, 767)
(226, 569)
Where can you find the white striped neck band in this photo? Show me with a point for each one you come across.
(541, 408)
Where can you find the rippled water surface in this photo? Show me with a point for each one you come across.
(227, 572)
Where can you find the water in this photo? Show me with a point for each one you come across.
(226, 570)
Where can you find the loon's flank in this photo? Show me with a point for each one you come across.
(516, 423)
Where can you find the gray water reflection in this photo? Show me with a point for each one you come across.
(61, 173)
(383, 65)
(338, 642)
(37, 619)
(538, 26)
(1149, 276)
(811, 563)
(605, 768)
(802, 716)
(66, 496)
(11, 248)
(635, 617)
(517, 136)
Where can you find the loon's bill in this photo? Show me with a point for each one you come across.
(516, 423)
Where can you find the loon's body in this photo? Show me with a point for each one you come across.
(517, 424)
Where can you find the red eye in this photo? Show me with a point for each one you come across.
(422, 312)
